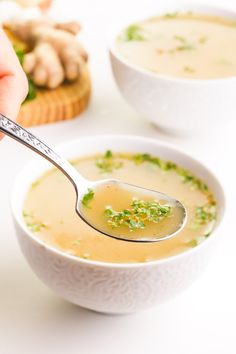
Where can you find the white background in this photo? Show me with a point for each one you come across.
(32, 318)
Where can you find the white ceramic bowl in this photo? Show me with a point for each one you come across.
(110, 287)
(176, 104)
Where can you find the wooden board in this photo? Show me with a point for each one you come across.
(63, 103)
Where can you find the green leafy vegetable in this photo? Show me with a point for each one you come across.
(137, 215)
(32, 92)
(171, 15)
(88, 197)
(107, 163)
(132, 33)
(19, 53)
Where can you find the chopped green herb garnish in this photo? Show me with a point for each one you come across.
(108, 154)
(196, 241)
(137, 215)
(204, 214)
(85, 255)
(107, 163)
(171, 15)
(184, 44)
(180, 39)
(224, 62)
(35, 184)
(140, 158)
(132, 33)
(88, 197)
(202, 39)
(33, 224)
(185, 175)
(188, 69)
(77, 242)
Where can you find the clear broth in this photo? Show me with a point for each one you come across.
(49, 208)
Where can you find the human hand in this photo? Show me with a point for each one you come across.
(13, 81)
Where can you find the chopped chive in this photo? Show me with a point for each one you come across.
(137, 215)
(196, 241)
(35, 184)
(202, 39)
(107, 163)
(132, 33)
(32, 223)
(188, 69)
(180, 39)
(171, 15)
(85, 255)
(204, 214)
(77, 242)
(88, 197)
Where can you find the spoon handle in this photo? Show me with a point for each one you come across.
(23, 136)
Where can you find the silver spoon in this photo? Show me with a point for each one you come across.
(82, 185)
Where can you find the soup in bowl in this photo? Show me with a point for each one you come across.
(93, 270)
(178, 69)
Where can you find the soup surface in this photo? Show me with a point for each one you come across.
(182, 45)
(49, 208)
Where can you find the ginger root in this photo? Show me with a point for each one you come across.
(55, 54)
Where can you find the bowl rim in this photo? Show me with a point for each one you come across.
(198, 7)
(101, 264)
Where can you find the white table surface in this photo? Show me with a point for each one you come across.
(32, 318)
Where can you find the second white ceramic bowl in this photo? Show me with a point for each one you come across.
(110, 287)
(175, 104)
